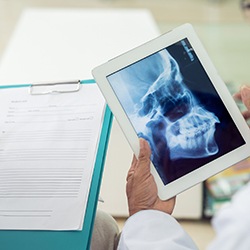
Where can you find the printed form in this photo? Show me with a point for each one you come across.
(48, 146)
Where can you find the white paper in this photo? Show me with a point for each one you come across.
(48, 146)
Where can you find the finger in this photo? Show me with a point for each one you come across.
(144, 154)
(132, 168)
(142, 168)
(246, 115)
(237, 96)
(134, 162)
(143, 161)
(245, 96)
(169, 205)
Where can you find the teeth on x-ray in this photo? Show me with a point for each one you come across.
(189, 127)
(193, 135)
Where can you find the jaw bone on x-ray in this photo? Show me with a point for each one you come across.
(187, 126)
(163, 110)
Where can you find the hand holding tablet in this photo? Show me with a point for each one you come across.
(168, 92)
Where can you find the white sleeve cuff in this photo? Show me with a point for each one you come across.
(152, 229)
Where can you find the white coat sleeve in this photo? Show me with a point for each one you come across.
(232, 223)
(152, 229)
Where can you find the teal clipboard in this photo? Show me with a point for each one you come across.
(64, 240)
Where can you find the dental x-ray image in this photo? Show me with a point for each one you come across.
(171, 102)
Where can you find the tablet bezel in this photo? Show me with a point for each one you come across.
(200, 174)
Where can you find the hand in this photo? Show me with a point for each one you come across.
(141, 187)
(244, 96)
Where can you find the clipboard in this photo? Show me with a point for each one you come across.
(64, 240)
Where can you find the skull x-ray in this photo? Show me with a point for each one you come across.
(171, 102)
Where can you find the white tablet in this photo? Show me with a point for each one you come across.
(168, 92)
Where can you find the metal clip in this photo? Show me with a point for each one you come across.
(55, 87)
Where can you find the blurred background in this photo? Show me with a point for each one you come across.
(223, 27)
(220, 24)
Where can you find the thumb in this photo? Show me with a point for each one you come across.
(144, 154)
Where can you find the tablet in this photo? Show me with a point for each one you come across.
(168, 92)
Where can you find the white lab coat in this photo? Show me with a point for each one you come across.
(155, 230)
(232, 223)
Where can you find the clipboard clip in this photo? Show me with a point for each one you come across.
(54, 87)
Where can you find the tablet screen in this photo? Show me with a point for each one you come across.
(172, 103)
